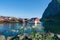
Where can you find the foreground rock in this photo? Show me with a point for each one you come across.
(2, 37)
(9, 38)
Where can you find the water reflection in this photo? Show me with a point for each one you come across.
(1, 28)
(12, 29)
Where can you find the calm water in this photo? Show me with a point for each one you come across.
(12, 29)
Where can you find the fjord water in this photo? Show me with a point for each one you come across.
(11, 29)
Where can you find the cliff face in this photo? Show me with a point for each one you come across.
(52, 9)
(51, 17)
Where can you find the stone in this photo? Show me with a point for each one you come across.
(2, 37)
(8, 38)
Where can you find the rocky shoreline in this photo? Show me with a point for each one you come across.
(47, 36)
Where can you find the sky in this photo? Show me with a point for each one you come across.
(23, 8)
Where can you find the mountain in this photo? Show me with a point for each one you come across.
(51, 17)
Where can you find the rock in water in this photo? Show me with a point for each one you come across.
(51, 17)
(2, 37)
(8, 38)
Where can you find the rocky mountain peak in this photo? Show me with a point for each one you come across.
(51, 17)
(58, 1)
(52, 9)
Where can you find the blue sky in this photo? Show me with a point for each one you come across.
(23, 8)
